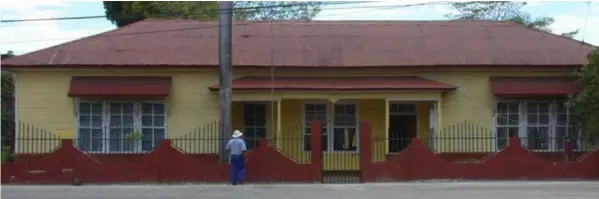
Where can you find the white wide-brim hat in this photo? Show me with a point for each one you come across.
(237, 134)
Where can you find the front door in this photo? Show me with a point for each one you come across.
(402, 128)
(254, 123)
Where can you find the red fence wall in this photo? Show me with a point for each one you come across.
(164, 164)
(417, 162)
(267, 164)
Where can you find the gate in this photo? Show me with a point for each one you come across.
(340, 144)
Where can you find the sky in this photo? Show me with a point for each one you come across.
(24, 37)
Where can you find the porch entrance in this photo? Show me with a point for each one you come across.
(403, 126)
(340, 139)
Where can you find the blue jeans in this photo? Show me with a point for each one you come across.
(237, 169)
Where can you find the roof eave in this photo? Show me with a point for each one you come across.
(213, 89)
(145, 66)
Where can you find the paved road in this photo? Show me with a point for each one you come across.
(444, 190)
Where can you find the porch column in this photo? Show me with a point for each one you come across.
(278, 132)
(438, 111)
(386, 126)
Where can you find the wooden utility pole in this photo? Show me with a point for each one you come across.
(225, 43)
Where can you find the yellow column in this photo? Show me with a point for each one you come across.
(439, 108)
(438, 127)
(386, 130)
(278, 133)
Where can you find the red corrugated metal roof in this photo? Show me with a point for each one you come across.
(336, 83)
(177, 43)
(533, 86)
(137, 87)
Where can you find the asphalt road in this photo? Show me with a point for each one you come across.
(428, 190)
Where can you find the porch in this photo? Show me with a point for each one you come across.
(287, 123)
(281, 108)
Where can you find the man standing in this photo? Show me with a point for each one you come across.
(237, 149)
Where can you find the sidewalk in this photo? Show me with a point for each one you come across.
(444, 190)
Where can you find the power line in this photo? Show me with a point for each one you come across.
(205, 11)
(217, 26)
(52, 19)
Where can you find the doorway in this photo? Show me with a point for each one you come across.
(403, 126)
(254, 123)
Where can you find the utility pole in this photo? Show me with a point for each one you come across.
(225, 43)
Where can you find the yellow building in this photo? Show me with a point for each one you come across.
(408, 79)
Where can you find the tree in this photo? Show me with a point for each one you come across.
(585, 105)
(486, 10)
(502, 11)
(8, 120)
(7, 55)
(122, 13)
(276, 10)
(7, 86)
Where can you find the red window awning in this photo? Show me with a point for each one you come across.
(533, 86)
(120, 87)
(336, 83)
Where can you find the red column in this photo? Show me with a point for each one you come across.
(316, 150)
(365, 151)
(68, 159)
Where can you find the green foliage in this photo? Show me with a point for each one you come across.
(7, 86)
(502, 11)
(7, 155)
(123, 13)
(586, 104)
(8, 120)
(134, 136)
(570, 34)
(276, 10)
(486, 10)
(7, 55)
(541, 23)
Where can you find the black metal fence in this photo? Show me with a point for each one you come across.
(462, 142)
(468, 142)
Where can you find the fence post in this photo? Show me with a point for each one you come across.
(163, 161)
(316, 150)
(365, 151)
(67, 160)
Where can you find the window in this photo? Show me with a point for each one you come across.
(507, 122)
(105, 126)
(343, 128)
(90, 128)
(543, 125)
(120, 126)
(537, 125)
(315, 112)
(254, 123)
(565, 128)
(153, 124)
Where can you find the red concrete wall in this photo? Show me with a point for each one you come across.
(267, 164)
(417, 162)
(164, 164)
(475, 157)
